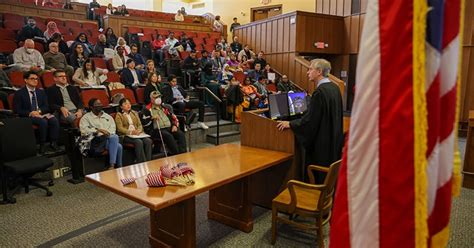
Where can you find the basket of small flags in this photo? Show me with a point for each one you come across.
(179, 175)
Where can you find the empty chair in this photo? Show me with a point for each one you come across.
(14, 24)
(100, 63)
(140, 92)
(18, 153)
(113, 77)
(90, 26)
(7, 46)
(307, 200)
(7, 34)
(128, 93)
(47, 79)
(100, 94)
(39, 46)
(134, 30)
(16, 79)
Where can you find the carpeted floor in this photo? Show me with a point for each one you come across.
(87, 216)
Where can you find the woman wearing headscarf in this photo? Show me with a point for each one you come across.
(82, 39)
(122, 43)
(51, 29)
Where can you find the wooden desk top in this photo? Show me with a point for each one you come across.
(214, 167)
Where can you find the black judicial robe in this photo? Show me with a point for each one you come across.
(320, 128)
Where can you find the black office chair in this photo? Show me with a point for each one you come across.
(18, 157)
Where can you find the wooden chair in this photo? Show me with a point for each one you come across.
(307, 199)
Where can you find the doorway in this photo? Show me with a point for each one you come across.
(261, 13)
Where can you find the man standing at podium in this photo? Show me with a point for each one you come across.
(320, 129)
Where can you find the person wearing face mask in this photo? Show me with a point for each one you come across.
(81, 39)
(30, 31)
(98, 123)
(29, 59)
(131, 129)
(55, 60)
(159, 121)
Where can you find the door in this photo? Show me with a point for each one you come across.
(274, 12)
(260, 15)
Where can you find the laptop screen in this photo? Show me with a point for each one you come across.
(297, 103)
(278, 104)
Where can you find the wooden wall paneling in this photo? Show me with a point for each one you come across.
(470, 80)
(319, 6)
(279, 36)
(354, 36)
(293, 34)
(281, 61)
(263, 35)
(275, 36)
(252, 38)
(300, 33)
(270, 37)
(333, 7)
(361, 26)
(286, 34)
(347, 7)
(258, 37)
(465, 86)
(363, 6)
(326, 6)
(340, 8)
(291, 66)
(355, 8)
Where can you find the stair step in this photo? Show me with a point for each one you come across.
(197, 135)
(224, 137)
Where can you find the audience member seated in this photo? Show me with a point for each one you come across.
(101, 125)
(47, 3)
(261, 86)
(101, 45)
(247, 52)
(32, 102)
(192, 67)
(187, 43)
(122, 43)
(51, 29)
(220, 51)
(255, 74)
(64, 100)
(268, 69)
(236, 46)
(63, 48)
(226, 75)
(284, 85)
(88, 75)
(223, 43)
(217, 61)
(160, 122)
(124, 11)
(131, 77)
(204, 60)
(179, 17)
(27, 58)
(81, 39)
(109, 10)
(129, 127)
(120, 59)
(55, 60)
(170, 43)
(235, 24)
(118, 11)
(209, 79)
(234, 64)
(150, 68)
(250, 93)
(158, 45)
(30, 31)
(235, 99)
(138, 58)
(111, 37)
(260, 60)
(67, 5)
(153, 84)
(175, 95)
(183, 11)
(78, 56)
(228, 52)
(244, 64)
(217, 25)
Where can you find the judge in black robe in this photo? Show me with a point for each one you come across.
(320, 129)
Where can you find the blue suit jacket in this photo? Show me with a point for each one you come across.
(127, 77)
(22, 102)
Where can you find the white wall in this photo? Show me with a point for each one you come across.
(131, 4)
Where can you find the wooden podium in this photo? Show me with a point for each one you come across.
(261, 132)
(468, 170)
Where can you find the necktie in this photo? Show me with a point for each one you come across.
(34, 104)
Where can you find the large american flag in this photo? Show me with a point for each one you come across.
(399, 166)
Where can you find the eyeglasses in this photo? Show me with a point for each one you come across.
(36, 79)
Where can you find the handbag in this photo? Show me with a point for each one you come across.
(97, 145)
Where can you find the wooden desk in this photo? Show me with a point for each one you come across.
(223, 170)
(468, 169)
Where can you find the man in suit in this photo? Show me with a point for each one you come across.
(130, 76)
(175, 95)
(64, 99)
(320, 128)
(31, 102)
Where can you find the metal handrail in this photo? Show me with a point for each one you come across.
(219, 101)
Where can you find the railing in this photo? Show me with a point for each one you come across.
(209, 19)
(218, 115)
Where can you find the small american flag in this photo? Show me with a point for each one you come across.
(167, 171)
(127, 181)
(155, 180)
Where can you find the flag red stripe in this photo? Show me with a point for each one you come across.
(439, 217)
(396, 175)
(432, 98)
(448, 111)
(452, 11)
